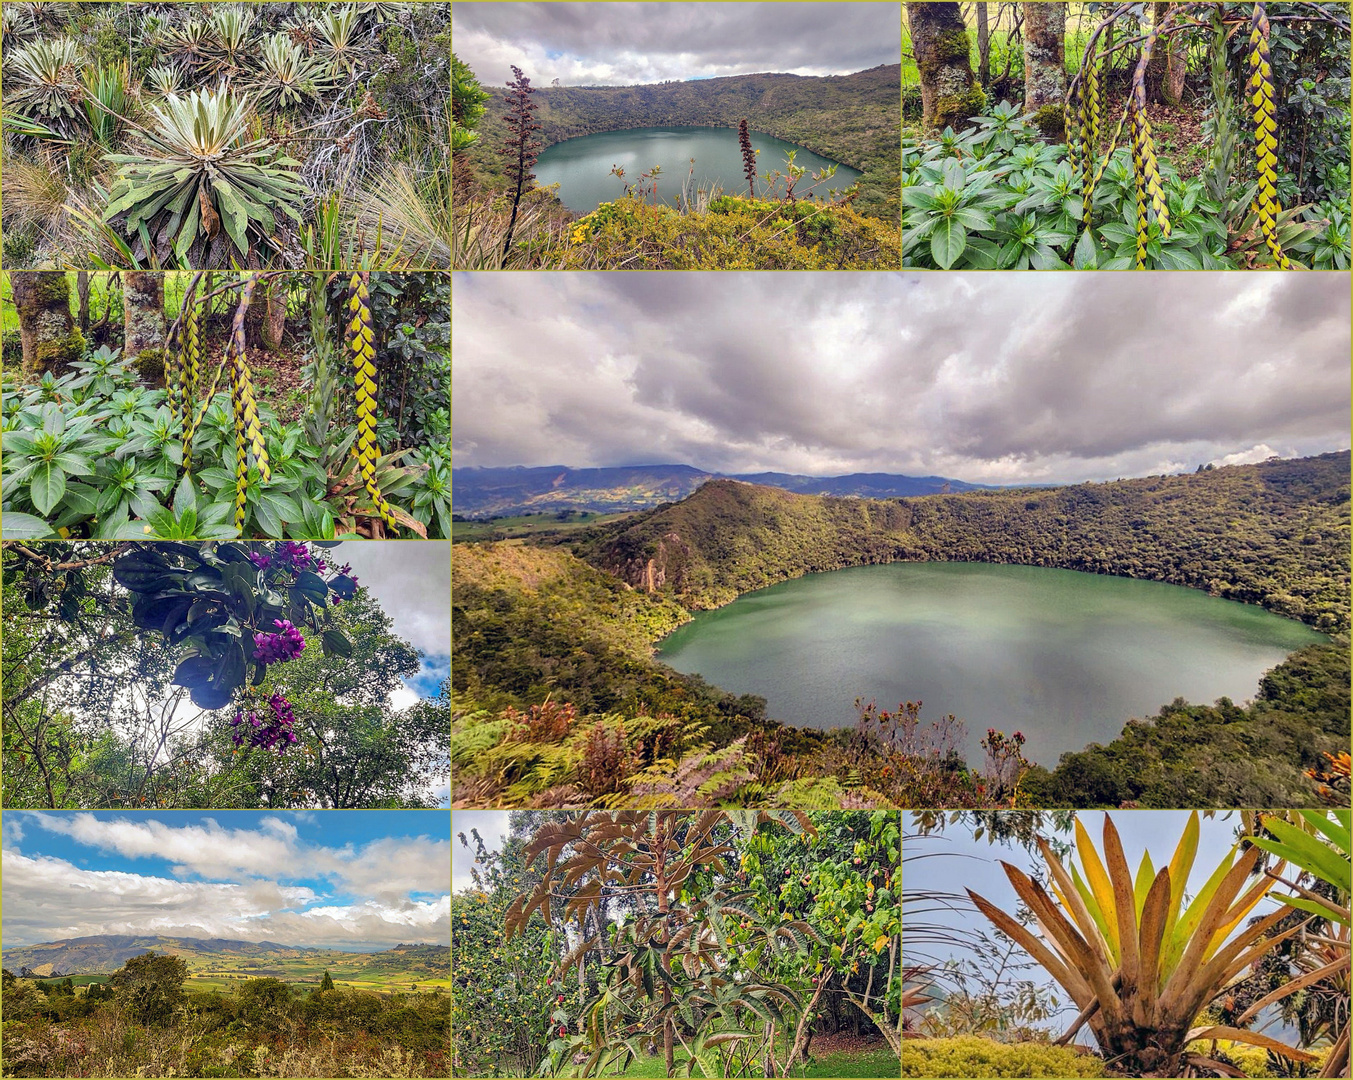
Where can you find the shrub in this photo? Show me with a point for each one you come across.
(970, 1056)
(202, 186)
(152, 986)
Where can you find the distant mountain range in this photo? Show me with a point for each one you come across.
(520, 489)
(107, 952)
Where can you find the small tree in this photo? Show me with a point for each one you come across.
(467, 105)
(326, 983)
(521, 149)
(152, 986)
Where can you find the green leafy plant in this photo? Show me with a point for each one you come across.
(105, 103)
(203, 187)
(1320, 843)
(1140, 962)
(223, 601)
(229, 41)
(43, 82)
(286, 76)
(339, 44)
(164, 79)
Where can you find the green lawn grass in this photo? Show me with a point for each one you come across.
(874, 1063)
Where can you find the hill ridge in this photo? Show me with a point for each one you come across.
(499, 491)
(99, 953)
(1274, 534)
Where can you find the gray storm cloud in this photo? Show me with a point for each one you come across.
(623, 44)
(987, 378)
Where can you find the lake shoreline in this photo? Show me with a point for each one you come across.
(1246, 617)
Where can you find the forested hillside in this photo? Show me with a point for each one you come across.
(1275, 534)
(853, 119)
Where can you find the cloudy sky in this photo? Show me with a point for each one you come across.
(952, 861)
(412, 580)
(989, 378)
(622, 44)
(339, 879)
(494, 828)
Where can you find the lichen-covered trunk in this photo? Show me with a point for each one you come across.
(949, 90)
(143, 323)
(274, 316)
(47, 330)
(1045, 67)
(82, 291)
(983, 45)
(1168, 66)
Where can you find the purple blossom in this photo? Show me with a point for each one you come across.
(275, 733)
(261, 561)
(286, 644)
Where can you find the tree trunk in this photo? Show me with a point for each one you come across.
(82, 291)
(1157, 66)
(1045, 68)
(949, 91)
(143, 323)
(983, 45)
(46, 328)
(274, 316)
(1176, 68)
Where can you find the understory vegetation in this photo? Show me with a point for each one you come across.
(502, 219)
(214, 407)
(143, 1022)
(557, 700)
(222, 675)
(203, 136)
(1193, 136)
(680, 943)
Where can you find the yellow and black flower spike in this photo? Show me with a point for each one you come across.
(193, 420)
(1141, 219)
(1260, 93)
(241, 453)
(1090, 125)
(242, 385)
(192, 349)
(1144, 161)
(362, 350)
(173, 378)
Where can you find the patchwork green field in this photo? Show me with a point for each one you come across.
(401, 969)
(535, 525)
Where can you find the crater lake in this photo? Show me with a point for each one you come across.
(1065, 657)
(582, 166)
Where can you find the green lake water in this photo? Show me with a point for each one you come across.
(582, 166)
(1065, 657)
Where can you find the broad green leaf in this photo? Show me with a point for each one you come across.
(47, 486)
(947, 242)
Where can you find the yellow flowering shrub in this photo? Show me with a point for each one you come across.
(730, 234)
(971, 1056)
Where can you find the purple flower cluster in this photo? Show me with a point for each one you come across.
(275, 732)
(286, 644)
(289, 555)
(298, 557)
